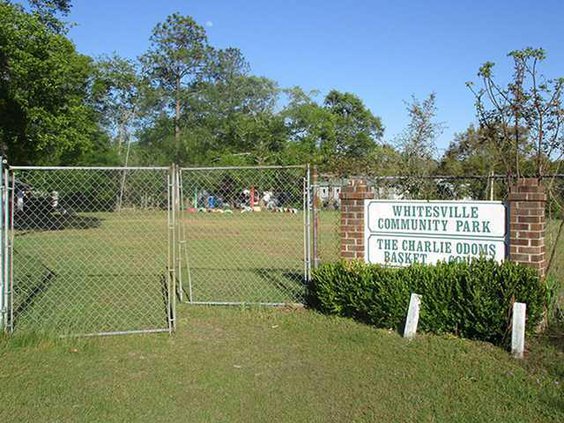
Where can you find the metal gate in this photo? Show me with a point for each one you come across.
(244, 234)
(106, 250)
(88, 250)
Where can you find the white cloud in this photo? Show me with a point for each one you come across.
(209, 24)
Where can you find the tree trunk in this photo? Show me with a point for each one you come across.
(177, 122)
(120, 138)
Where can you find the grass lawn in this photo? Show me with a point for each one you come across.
(93, 277)
(238, 364)
(234, 364)
(111, 276)
(557, 266)
(244, 257)
(107, 271)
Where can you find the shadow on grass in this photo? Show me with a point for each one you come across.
(54, 221)
(35, 281)
(249, 285)
(164, 297)
(29, 285)
(285, 281)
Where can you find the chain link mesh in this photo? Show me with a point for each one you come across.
(243, 235)
(90, 250)
(93, 250)
(554, 237)
(327, 217)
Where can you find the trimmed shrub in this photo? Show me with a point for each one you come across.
(472, 300)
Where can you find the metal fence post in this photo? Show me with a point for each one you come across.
(308, 221)
(3, 310)
(315, 208)
(9, 243)
(177, 223)
(172, 261)
(181, 237)
(305, 206)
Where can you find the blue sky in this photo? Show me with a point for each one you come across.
(382, 50)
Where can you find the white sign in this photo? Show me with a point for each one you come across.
(400, 233)
(406, 250)
(457, 218)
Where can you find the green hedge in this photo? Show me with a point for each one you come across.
(472, 300)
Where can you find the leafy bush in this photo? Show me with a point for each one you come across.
(472, 300)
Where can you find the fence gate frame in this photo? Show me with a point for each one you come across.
(183, 256)
(5, 291)
(300, 182)
(7, 241)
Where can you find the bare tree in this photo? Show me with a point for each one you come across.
(524, 118)
(417, 145)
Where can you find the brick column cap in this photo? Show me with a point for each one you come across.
(356, 189)
(527, 189)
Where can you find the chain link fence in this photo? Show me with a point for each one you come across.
(327, 218)
(90, 250)
(244, 235)
(555, 230)
(108, 250)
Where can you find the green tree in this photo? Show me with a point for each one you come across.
(307, 124)
(471, 153)
(49, 12)
(227, 64)
(353, 132)
(117, 92)
(177, 60)
(234, 117)
(45, 113)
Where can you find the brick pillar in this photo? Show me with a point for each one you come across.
(527, 200)
(352, 219)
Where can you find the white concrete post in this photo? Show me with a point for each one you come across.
(518, 330)
(412, 316)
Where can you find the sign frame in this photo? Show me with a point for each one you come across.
(435, 236)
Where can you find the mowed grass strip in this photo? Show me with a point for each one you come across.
(252, 364)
